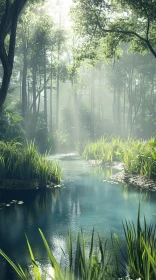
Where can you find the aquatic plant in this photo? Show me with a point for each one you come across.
(84, 266)
(140, 257)
(23, 162)
(93, 262)
(138, 156)
(107, 149)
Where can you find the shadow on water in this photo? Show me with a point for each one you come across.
(88, 199)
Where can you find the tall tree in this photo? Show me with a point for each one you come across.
(9, 13)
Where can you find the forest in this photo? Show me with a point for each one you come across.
(77, 139)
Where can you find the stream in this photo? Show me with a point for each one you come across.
(87, 199)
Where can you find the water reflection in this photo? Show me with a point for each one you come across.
(89, 199)
(101, 173)
(129, 192)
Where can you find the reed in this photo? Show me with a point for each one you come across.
(95, 263)
(82, 265)
(140, 262)
(25, 163)
(138, 156)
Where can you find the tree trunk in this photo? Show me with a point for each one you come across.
(124, 111)
(34, 87)
(51, 92)
(76, 114)
(24, 81)
(8, 24)
(114, 107)
(20, 84)
(45, 89)
(143, 113)
(92, 132)
(58, 89)
(119, 123)
(130, 97)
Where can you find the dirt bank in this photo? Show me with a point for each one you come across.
(134, 179)
(125, 177)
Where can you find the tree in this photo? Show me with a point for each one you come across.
(121, 21)
(9, 13)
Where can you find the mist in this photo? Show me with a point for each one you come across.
(67, 92)
(77, 139)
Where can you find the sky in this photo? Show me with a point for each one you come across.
(59, 10)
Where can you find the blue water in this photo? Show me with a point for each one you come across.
(87, 199)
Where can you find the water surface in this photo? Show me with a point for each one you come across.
(87, 199)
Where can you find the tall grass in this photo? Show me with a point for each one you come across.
(24, 162)
(93, 263)
(138, 156)
(140, 261)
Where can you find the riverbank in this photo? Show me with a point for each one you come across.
(125, 177)
(136, 180)
(136, 157)
(24, 185)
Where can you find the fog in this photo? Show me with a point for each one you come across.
(66, 91)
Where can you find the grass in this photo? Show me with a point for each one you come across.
(141, 250)
(93, 263)
(20, 162)
(138, 156)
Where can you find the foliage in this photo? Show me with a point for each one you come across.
(24, 163)
(59, 142)
(92, 263)
(129, 21)
(141, 249)
(106, 149)
(138, 156)
(11, 126)
(81, 265)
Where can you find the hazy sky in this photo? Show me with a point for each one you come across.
(59, 9)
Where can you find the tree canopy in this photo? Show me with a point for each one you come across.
(113, 22)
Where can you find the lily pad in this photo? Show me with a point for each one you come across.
(20, 202)
(7, 205)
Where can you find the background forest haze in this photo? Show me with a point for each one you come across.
(82, 69)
